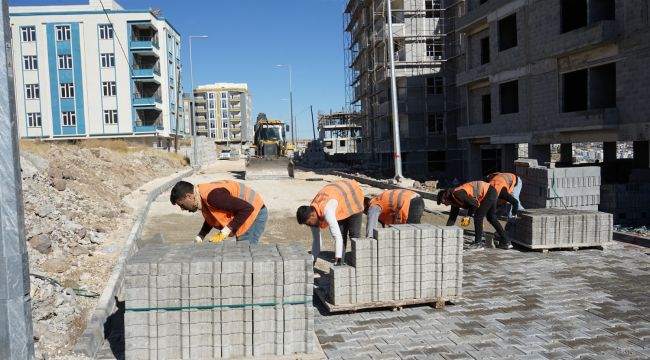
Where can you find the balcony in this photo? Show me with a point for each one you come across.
(144, 36)
(140, 100)
(597, 119)
(476, 73)
(200, 109)
(201, 120)
(199, 100)
(591, 35)
(236, 98)
(148, 120)
(476, 13)
(145, 66)
(478, 131)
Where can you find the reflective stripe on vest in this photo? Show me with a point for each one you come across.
(356, 201)
(397, 219)
(345, 198)
(476, 188)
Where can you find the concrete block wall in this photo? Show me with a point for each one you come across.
(412, 261)
(573, 188)
(218, 301)
(558, 228)
(629, 203)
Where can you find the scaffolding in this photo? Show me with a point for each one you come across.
(339, 132)
(424, 44)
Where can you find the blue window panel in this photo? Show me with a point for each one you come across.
(78, 79)
(70, 130)
(68, 105)
(65, 76)
(54, 83)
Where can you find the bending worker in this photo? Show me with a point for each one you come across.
(229, 206)
(480, 200)
(508, 187)
(338, 205)
(398, 206)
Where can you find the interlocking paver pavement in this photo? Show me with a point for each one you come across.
(524, 305)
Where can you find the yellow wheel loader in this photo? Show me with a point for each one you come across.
(272, 152)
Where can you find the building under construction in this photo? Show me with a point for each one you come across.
(340, 133)
(424, 54)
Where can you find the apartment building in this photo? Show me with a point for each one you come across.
(95, 71)
(553, 72)
(424, 54)
(223, 111)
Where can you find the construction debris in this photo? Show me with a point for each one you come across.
(219, 301)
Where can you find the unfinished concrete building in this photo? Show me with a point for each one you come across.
(554, 72)
(339, 132)
(424, 52)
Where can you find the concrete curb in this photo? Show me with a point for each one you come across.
(383, 185)
(631, 239)
(93, 337)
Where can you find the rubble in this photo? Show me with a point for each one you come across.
(74, 210)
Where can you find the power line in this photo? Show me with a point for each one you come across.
(128, 62)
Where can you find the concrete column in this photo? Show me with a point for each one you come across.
(641, 154)
(474, 162)
(566, 153)
(508, 157)
(16, 336)
(542, 153)
(609, 152)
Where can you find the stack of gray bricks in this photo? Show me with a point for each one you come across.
(560, 228)
(572, 188)
(218, 301)
(401, 262)
(630, 202)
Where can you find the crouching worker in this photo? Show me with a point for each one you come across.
(338, 205)
(229, 206)
(508, 187)
(398, 206)
(480, 200)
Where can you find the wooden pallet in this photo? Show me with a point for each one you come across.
(318, 354)
(546, 248)
(438, 303)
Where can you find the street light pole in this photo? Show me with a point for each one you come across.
(397, 154)
(192, 104)
(291, 119)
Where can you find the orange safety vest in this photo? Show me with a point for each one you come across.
(348, 194)
(394, 205)
(475, 189)
(503, 180)
(219, 218)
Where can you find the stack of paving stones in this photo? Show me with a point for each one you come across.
(629, 202)
(572, 188)
(218, 301)
(401, 262)
(560, 228)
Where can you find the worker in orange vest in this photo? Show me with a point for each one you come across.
(508, 187)
(229, 206)
(339, 206)
(399, 206)
(480, 200)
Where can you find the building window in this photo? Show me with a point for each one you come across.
(593, 88)
(62, 32)
(108, 60)
(485, 50)
(28, 33)
(30, 62)
(436, 161)
(69, 118)
(65, 61)
(34, 119)
(432, 8)
(481, 2)
(210, 114)
(508, 32)
(434, 48)
(486, 108)
(509, 96)
(109, 88)
(210, 95)
(110, 117)
(224, 95)
(67, 90)
(105, 32)
(224, 114)
(434, 85)
(224, 104)
(32, 91)
(578, 13)
(435, 123)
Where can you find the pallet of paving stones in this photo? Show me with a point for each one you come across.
(544, 229)
(227, 300)
(401, 265)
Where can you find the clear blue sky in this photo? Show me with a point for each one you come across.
(247, 38)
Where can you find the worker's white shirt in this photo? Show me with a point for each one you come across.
(330, 218)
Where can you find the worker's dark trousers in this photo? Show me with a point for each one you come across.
(350, 227)
(487, 209)
(416, 208)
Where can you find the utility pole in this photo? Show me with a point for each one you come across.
(178, 92)
(397, 151)
(313, 125)
(16, 334)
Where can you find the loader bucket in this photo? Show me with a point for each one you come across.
(268, 168)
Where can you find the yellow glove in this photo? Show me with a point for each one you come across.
(464, 222)
(218, 238)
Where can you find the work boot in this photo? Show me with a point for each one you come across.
(339, 262)
(505, 244)
(476, 246)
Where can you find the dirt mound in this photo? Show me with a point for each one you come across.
(75, 224)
